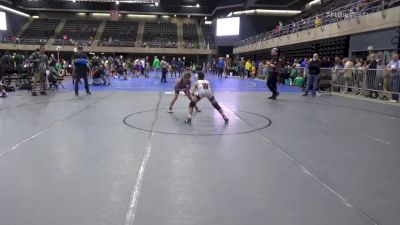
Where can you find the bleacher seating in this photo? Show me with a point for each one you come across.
(330, 48)
(208, 36)
(160, 35)
(39, 31)
(190, 36)
(80, 31)
(117, 33)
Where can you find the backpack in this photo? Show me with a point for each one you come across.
(9, 88)
(25, 86)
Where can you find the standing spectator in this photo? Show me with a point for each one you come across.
(7, 63)
(19, 63)
(221, 66)
(347, 74)
(156, 66)
(173, 67)
(81, 70)
(248, 67)
(147, 66)
(40, 67)
(3, 92)
(372, 66)
(164, 68)
(393, 69)
(180, 66)
(313, 72)
(143, 66)
(242, 68)
(359, 75)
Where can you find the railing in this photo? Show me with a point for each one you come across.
(23, 41)
(365, 81)
(72, 42)
(116, 43)
(353, 10)
(104, 43)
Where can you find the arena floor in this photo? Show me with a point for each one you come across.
(117, 158)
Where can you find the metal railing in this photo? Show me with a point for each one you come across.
(364, 81)
(23, 41)
(353, 10)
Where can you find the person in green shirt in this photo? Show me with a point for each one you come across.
(58, 67)
(299, 81)
(19, 61)
(156, 66)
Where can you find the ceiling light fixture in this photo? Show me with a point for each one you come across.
(198, 5)
(117, 2)
(156, 4)
(14, 11)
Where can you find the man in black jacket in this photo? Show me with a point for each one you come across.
(81, 70)
(313, 73)
(273, 68)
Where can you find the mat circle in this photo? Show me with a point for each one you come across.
(252, 129)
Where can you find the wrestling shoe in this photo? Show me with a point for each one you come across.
(226, 119)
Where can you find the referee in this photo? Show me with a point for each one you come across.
(273, 74)
(81, 70)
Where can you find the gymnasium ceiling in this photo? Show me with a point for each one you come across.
(212, 8)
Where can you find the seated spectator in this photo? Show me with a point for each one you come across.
(318, 22)
(299, 81)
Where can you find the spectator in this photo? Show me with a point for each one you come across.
(81, 70)
(299, 81)
(156, 66)
(180, 66)
(318, 22)
(41, 68)
(248, 67)
(359, 75)
(173, 67)
(2, 89)
(313, 73)
(372, 66)
(221, 66)
(164, 68)
(393, 70)
(242, 68)
(347, 74)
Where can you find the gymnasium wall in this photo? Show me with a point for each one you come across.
(379, 40)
